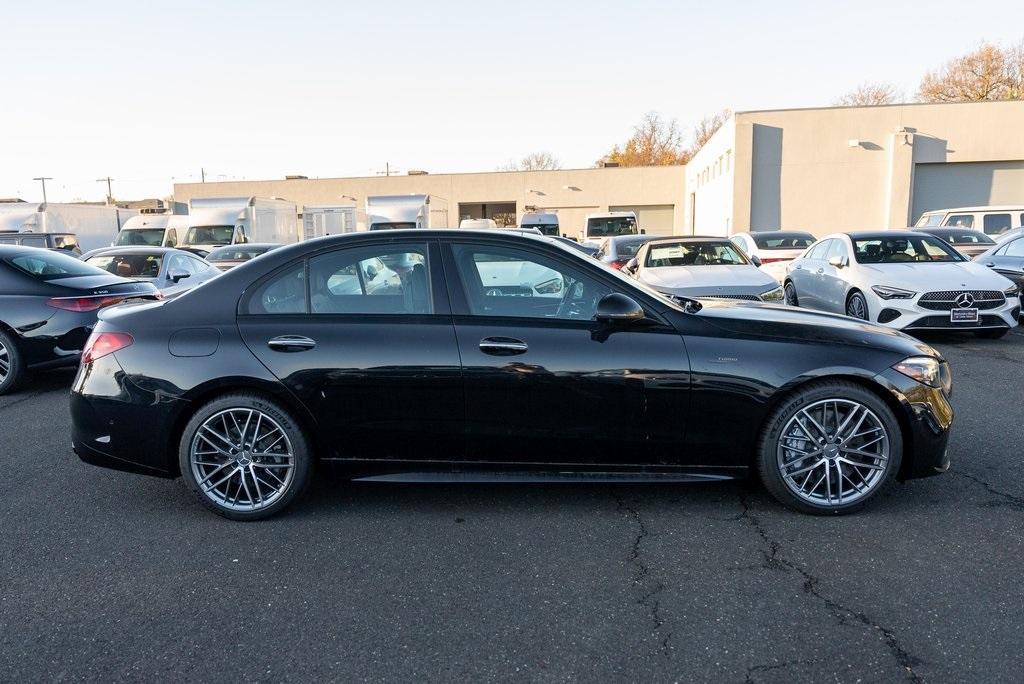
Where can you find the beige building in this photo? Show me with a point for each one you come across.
(843, 168)
(656, 193)
(820, 170)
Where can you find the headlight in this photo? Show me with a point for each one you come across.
(774, 295)
(925, 369)
(886, 292)
(1012, 291)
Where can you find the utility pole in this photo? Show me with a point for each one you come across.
(43, 180)
(110, 193)
(202, 174)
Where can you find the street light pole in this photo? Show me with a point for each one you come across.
(43, 180)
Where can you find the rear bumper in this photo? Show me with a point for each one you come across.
(115, 424)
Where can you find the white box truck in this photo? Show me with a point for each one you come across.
(153, 230)
(390, 212)
(218, 221)
(321, 220)
(94, 225)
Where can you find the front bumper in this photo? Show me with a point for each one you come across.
(910, 316)
(927, 418)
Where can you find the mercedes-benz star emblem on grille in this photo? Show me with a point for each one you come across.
(964, 300)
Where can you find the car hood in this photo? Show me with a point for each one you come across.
(785, 322)
(967, 275)
(685, 280)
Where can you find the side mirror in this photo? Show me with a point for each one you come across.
(177, 274)
(618, 308)
(756, 260)
(631, 266)
(837, 261)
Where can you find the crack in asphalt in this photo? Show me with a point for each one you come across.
(773, 560)
(749, 679)
(642, 576)
(1011, 501)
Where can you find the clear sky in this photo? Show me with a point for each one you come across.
(151, 92)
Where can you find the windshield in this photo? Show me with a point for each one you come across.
(783, 240)
(53, 266)
(899, 250)
(929, 220)
(544, 228)
(209, 235)
(129, 265)
(611, 225)
(393, 226)
(150, 237)
(236, 253)
(694, 254)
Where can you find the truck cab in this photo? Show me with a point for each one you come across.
(152, 230)
(609, 224)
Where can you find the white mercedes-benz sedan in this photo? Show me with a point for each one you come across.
(902, 279)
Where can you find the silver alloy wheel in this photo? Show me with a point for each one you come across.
(241, 459)
(5, 362)
(856, 308)
(833, 452)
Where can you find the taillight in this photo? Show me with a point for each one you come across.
(101, 344)
(769, 260)
(617, 265)
(81, 304)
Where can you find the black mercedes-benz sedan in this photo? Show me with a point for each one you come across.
(48, 307)
(487, 356)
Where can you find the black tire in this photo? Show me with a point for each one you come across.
(857, 307)
(12, 365)
(301, 454)
(768, 445)
(791, 297)
(991, 334)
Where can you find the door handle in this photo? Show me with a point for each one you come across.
(503, 346)
(821, 271)
(291, 343)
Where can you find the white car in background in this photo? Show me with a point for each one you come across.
(774, 248)
(902, 279)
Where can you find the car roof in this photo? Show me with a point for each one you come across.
(11, 250)
(877, 234)
(945, 230)
(137, 249)
(689, 238)
(776, 233)
(250, 245)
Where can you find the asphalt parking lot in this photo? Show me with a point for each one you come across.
(112, 576)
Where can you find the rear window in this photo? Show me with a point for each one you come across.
(129, 265)
(783, 241)
(629, 248)
(52, 266)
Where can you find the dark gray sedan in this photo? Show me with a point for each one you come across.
(173, 271)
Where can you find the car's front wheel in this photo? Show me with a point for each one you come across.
(829, 448)
(12, 370)
(244, 456)
(791, 297)
(857, 307)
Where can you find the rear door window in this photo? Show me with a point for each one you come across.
(378, 279)
(994, 224)
(819, 250)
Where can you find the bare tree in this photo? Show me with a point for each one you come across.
(655, 142)
(870, 94)
(988, 73)
(707, 127)
(535, 161)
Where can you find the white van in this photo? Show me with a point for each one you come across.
(479, 224)
(992, 220)
(545, 222)
(609, 224)
(152, 230)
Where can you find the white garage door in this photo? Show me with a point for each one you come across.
(656, 219)
(966, 184)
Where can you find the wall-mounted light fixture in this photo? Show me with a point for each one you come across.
(571, 188)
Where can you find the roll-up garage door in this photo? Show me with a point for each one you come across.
(966, 184)
(656, 219)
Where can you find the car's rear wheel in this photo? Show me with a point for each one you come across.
(992, 334)
(829, 448)
(12, 368)
(244, 456)
(857, 307)
(791, 297)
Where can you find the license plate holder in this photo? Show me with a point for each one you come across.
(963, 316)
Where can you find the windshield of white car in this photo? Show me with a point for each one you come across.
(665, 254)
(610, 226)
(899, 250)
(129, 265)
(209, 235)
(150, 237)
(783, 240)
